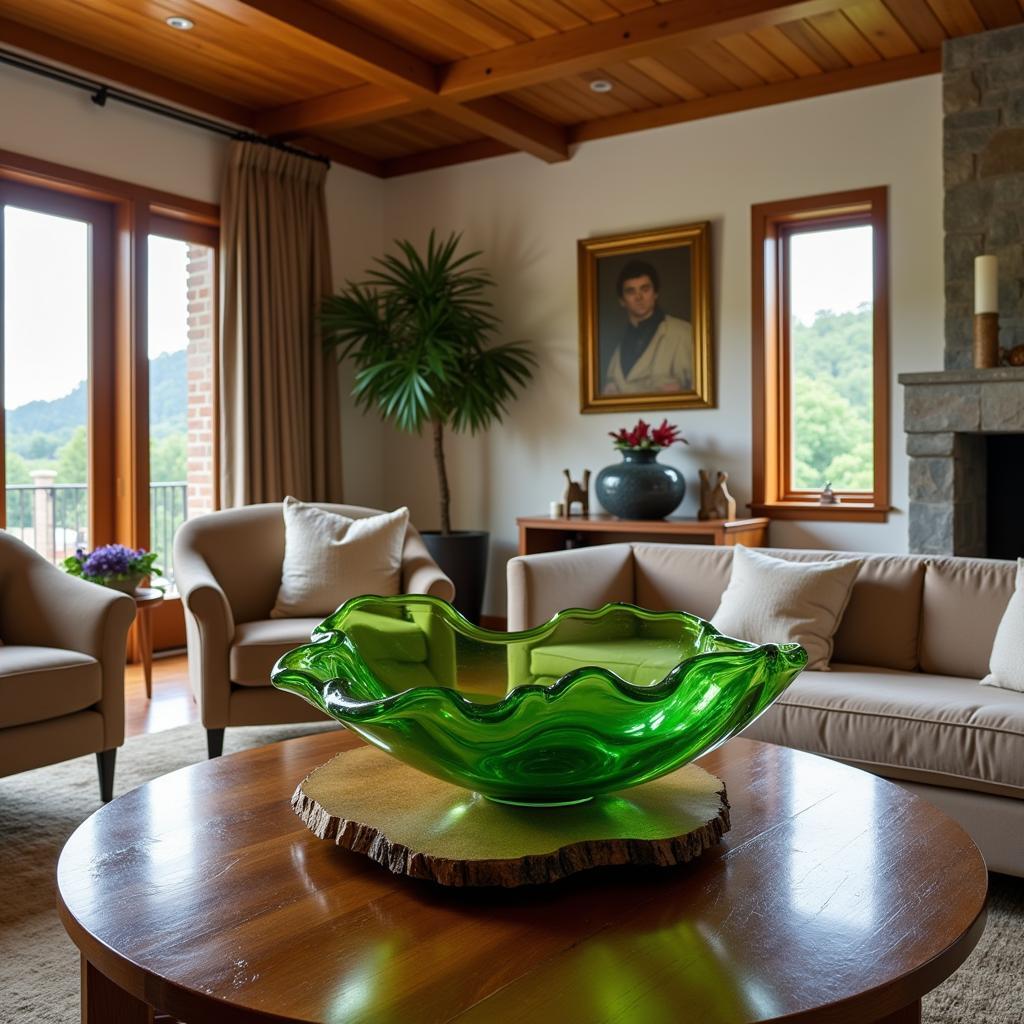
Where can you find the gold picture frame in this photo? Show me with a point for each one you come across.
(645, 320)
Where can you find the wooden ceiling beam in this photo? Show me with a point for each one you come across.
(340, 154)
(333, 40)
(362, 104)
(444, 157)
(679, 23)
(876, 73)
(132, 76)
(351, 48)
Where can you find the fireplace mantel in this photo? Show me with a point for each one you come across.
(946, 415)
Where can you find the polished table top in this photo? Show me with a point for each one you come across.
(836, 896)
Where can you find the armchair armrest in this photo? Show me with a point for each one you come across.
(210, 627)
(420, 573)
(44, 607)
(540, 585)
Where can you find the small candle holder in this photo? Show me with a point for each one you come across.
(986, 341)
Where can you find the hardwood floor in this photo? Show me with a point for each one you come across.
(172, 703)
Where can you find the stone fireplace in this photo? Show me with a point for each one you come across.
(962, 484)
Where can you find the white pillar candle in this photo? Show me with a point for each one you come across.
(556, 510)
(986, 284)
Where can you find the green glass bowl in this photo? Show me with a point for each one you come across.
(588, 703)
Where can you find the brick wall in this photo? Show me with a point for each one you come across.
(201, 326)
(983, 162)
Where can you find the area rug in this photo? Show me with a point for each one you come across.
(39, 974)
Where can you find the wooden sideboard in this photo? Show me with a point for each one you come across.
(549, 533)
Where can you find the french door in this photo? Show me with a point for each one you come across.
(107, 363)
(57, 347)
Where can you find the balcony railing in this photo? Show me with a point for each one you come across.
(54, 518)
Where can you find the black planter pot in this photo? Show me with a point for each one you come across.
(640, 487)
(462, 556)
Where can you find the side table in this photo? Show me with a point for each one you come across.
(146, 599)
(538, 534)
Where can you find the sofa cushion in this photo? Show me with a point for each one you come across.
(684, 577)
(937, 729)
(881, 623)
(964, 601)
(639, 661)
(257, 645)
(39, 683)
(1006, 665)
(775, 600)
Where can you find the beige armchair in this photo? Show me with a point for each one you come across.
(61, 665)
(228, 569)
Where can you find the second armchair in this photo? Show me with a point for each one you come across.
(228, 568)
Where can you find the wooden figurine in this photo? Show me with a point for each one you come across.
(715, 502)
(576, 492)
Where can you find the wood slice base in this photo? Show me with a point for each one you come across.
(416, 825)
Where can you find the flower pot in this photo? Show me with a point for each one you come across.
(128, 585)
(640, 487)
(462, 556)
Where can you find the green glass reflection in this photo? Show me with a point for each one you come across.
(590, 702)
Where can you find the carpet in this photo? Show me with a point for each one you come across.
(39, 973)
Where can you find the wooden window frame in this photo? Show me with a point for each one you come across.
(773, 224)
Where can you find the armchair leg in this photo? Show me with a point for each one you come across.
(105, 768)
(214, 742)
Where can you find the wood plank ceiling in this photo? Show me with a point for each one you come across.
(404, 85)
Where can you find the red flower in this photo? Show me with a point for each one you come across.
(642, 436)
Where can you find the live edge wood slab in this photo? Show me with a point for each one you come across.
(416, 825)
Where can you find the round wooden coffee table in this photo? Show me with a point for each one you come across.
(836, 897)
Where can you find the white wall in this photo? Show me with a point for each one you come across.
(57, 123)
(527, 216)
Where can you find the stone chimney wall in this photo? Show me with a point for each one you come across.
(983, 162)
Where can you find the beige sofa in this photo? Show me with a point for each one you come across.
(61, 665)
(228, 569)
(902, 698)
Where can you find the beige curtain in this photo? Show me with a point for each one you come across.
(279, 427)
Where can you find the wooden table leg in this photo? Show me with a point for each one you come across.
(146, 649)
(104, 1003)
(908, 1015)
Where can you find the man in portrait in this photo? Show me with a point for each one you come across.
(654, 351)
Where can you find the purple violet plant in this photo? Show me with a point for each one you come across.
(112, 563)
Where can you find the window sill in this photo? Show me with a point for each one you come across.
(844, 512)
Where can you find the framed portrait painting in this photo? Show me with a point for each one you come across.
(645, 320)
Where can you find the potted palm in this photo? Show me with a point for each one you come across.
(418, 332)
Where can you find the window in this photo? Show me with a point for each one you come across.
(821, 366)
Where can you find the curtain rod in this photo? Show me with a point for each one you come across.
(100, 93)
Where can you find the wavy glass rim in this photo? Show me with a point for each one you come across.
(286, 674)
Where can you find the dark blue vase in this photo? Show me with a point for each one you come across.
(640, 487)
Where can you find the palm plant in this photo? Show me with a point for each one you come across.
(417, 330)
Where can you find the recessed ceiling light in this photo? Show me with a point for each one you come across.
(181, 24)
(601, 85)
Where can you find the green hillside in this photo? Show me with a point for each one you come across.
(51, 435)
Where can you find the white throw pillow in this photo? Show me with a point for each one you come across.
(1006, 664)
(329, 558)
(772, 600)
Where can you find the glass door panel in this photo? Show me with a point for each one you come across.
(181, 383)
(47, 336)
